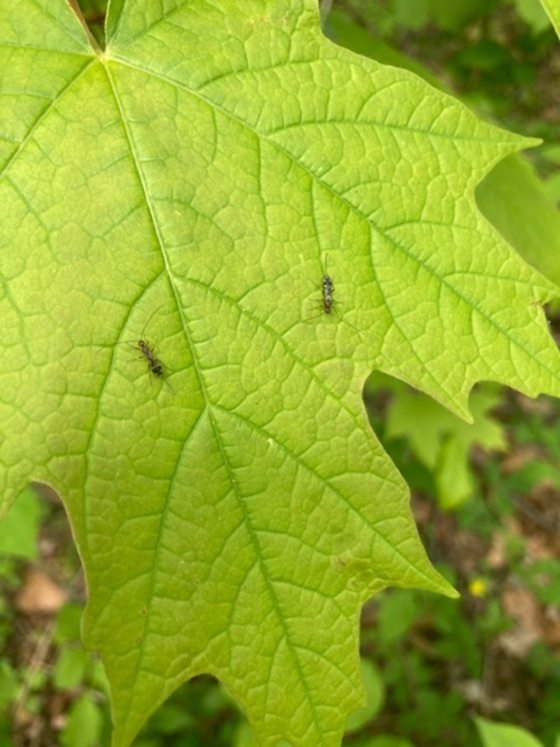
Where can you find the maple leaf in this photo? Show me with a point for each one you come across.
(188, 189)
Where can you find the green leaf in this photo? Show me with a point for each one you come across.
(346, 32)
(244, 738)
(504, 735)
(485, 56)
(532, 13)
(511, 196)
(375, 692)
(552, 8)
(98, 678)
(68, 623)
(398, 612)
(70, 667)
(189, 187)
(453, 16)
(9, 685)
(172, 719)
(94, 15)
(412, 14)
(442, 441)
(552, 188)
(84, 725)
(385, 740)
(20, 527)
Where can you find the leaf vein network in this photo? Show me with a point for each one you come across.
(200, 376)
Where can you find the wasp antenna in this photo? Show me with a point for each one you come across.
(151, 317)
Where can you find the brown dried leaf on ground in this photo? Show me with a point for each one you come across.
(39, 594)
(518, 457)
(520, 604)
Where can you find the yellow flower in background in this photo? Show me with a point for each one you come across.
(478, 587)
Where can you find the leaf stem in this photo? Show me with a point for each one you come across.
(74, 4)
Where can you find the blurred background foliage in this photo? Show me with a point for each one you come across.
(480, 672)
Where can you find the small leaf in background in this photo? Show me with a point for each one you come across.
(9, 685)
(543, 578)
(531, 11)
(84, 726)
(552, 9)
(453, 16)
(504, 735)
(171, 719)
(70, 667)
(98, 677)
(412, 14)
(68, 623)
(94, 15)
(510, 197)
(442, 441)
(375, 690)
(385, 740)
(244, 737)
(485, 56)
(397, 613)
(20, 527)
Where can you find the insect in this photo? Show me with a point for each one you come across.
(327, 303)
(155, 366)
(327, 288)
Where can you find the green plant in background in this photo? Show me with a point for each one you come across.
(217, 166)
(441, 441)
(20, 527)
(505, 735)
(18, 541)
(469, 52)
(76, 670)
(532, 12)
(73, 669)
(94, 16)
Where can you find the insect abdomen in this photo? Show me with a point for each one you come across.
(327, 286)
(154, 364)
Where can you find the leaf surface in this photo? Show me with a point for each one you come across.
(552, 8)
(510, 197)
(190, 187)
(504, 735)
(531, 12)
(512, 194)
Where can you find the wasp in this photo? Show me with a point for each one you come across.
(327, 288)
(155, 366)
(327, 291)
